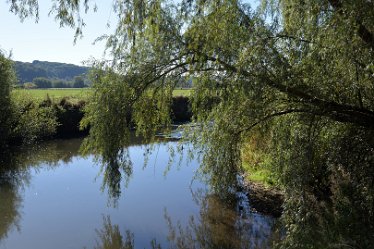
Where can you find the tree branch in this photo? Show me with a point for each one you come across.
(363, 32)
(291, 37)
(338, 112)
(273, 115)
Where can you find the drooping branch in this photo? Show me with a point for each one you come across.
(148, 82)
(273, 115)
(338, 112)
(290, 37)
(363, 32)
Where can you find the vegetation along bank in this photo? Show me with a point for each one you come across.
(36, 116)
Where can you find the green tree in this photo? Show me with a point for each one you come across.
(42, 82)
(299, 71)
(78, 82)
(7, 79)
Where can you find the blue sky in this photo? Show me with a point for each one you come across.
(46, 41)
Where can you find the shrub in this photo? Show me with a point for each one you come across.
(7, 79)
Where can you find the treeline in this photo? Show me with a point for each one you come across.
(49, 74)
(41, 82)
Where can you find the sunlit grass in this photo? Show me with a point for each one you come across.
(40, 94)
(259, 175)
(182, 92)
(75, 93)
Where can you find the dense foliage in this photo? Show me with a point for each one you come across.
(7, 79)
(41, 82)
(20, 118)
(53, 73)
(300, 72)
(302, 75)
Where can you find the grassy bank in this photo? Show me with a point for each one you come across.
(257, 164)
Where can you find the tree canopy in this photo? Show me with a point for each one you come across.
(298, 73)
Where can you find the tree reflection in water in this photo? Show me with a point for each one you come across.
(10, 203)
(221, 223)
(109, 237)
(15, 166)
(114, 169)
(117, 166)
(218, 225)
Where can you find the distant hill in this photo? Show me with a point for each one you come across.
(27, 72)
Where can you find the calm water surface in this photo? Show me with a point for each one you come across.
(51, 197)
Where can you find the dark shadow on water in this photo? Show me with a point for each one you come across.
(10, 201)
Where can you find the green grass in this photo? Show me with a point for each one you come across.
(259, 174)
(77, 93)
(40, 94)
(182, 92)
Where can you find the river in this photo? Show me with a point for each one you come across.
(52, 197)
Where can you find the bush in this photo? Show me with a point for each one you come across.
(69, 115)
(7, 79)
(30, 120)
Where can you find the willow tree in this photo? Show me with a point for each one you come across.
(300, 72)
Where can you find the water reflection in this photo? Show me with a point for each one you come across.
(115, 169)
(110, 237)
(47, 153)
(15, 166)
(220, 221)
(220, 224)
(9, 208)
(69, 204)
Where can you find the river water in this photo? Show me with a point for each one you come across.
(52, 197)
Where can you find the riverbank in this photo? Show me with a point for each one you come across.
(35, 119)
(67, 112)
(264, 199)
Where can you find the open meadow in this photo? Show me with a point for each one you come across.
(74, 93)
(54, 93)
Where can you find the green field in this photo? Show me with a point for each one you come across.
(40, 94)
(76, 93)
(182, 92)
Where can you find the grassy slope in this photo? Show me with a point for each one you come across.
(256, 162)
